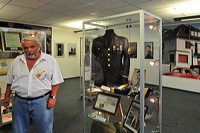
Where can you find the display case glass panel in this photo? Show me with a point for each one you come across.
(121, 45)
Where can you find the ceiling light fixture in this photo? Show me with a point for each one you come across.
(188, 18)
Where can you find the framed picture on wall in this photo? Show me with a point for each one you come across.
(59, 50)
(133, 49)
(5, 65)
(132, 120)
(12, 41)
(148, 50)
(72, 49)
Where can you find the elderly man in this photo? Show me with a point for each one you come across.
(35, 77)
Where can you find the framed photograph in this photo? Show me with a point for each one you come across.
(135, 78)
(133, 49)
(59, 50)
(12, 41)
(148, 50)
(5, 65)
(132, 120)
(107, 103)
(6, 114)
(72, 49)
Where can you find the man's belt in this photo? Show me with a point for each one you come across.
(33, 98)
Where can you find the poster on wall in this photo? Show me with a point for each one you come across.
(148, 50)
(72, 49)
(133, 49)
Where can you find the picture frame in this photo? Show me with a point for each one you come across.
(6, 114)
(133, 49)
(149, 50)
(135, 78)
(5, 66)
(132, 120)
(59, 50)
(11, 41)
(107, 103)
(72, 50)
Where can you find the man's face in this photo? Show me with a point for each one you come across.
(31, 49)
(148, 49)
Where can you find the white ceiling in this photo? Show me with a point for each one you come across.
(61, 12)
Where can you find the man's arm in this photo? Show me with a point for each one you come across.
(52, 101)
(6, 100)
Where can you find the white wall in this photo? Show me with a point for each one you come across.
(69, 66)
(186, 84)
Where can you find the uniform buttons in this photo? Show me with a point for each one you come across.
(108, 65)
(108, 49)
(108, 54)
(99, 48)
(108, 59)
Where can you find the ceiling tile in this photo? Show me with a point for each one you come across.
(91, 8)
(4, 1)
(132, 2)
(17, 9)
(111, 4)
(1, 5)
(12, 15)
(106, 13)
(91, 1)
(125, 9)
(154, 4)
(53, 19)
(61, 10)
(28, 3)
(69, 3)
(29, 18)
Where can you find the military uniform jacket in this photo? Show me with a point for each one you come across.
(114, 59)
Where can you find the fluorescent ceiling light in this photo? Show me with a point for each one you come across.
(188, 8)
(78, 25)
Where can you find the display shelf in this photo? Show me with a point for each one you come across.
(111, 56)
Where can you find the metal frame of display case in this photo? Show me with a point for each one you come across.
(141, 22)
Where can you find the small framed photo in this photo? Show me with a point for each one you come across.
(107, 103)
(71, 49)
(6, 114)
(59, 50)
(5, 66)
(148, 50)
(132, 120)
(133, 49)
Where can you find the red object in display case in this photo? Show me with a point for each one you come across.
(184, 73)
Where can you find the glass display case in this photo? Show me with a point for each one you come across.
(122, 57)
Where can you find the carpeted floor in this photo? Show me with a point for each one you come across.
(180, 111)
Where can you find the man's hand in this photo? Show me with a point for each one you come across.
(6, 102)
(51, 103)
